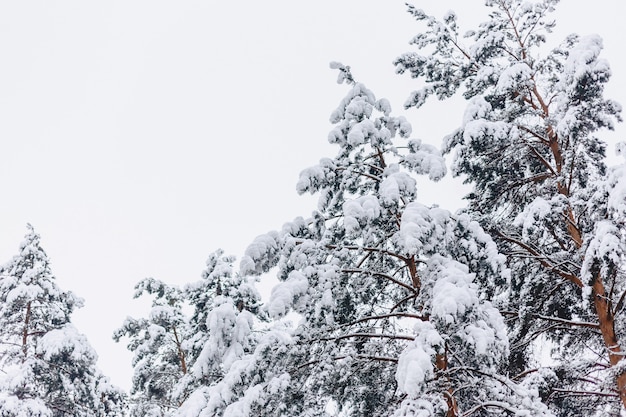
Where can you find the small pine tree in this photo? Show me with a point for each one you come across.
(160, 360)
(222, 301)
(222, 337)
(177, 356)
(48, 366)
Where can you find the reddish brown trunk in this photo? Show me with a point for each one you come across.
(572, 229)
(602, 305)
(570, 219)
(441, 362)
(413, 272)
(563, 189)
(607, 328)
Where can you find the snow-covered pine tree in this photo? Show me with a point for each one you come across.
(160, 359)
(220, 328)
(389, 319)
(541, 189)
(179, 356)
(48, 367)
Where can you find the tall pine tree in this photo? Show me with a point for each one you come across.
(527, 145)
(382, 291)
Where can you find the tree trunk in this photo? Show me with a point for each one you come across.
(25, 331)
(600, 299)
(607, 328)
(181, 352)
(441, 362)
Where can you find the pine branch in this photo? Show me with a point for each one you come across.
(379, 275)
(620, 304)
(518, 37)
(554, 319)
(369, 335)
(543, 260)
(529, 338)
(338, 358)
(404, 300)
(524, 373)
(491, 404)
(567, 322)
(535, 152)
(584, 393)
(386, 316)
(370, 249)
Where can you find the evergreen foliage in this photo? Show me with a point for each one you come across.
(48, 367)
(527, 145)
(157, 342)
(387, 317)
(386, 306)
(177, 353)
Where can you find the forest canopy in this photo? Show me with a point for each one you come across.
(386, 306)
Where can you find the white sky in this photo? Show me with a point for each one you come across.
(139, 136)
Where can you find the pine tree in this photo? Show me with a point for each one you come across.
(178, 356)
(220, 329)
(224, 336)
(527, 145)
(48, 367)
(160, 359)
(388, 319)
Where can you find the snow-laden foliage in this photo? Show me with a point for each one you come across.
(527, 144)
(386, 306)
(48, 367)
(221, 328)
(159, 360)
(388, 317)
(176, 354)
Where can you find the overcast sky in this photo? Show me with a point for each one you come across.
(139, 136)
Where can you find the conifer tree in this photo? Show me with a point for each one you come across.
(220, 328)
(225, 327)
(48, 367)
(179, 355)
(527, 145)
(160, 359)
(388, 319)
